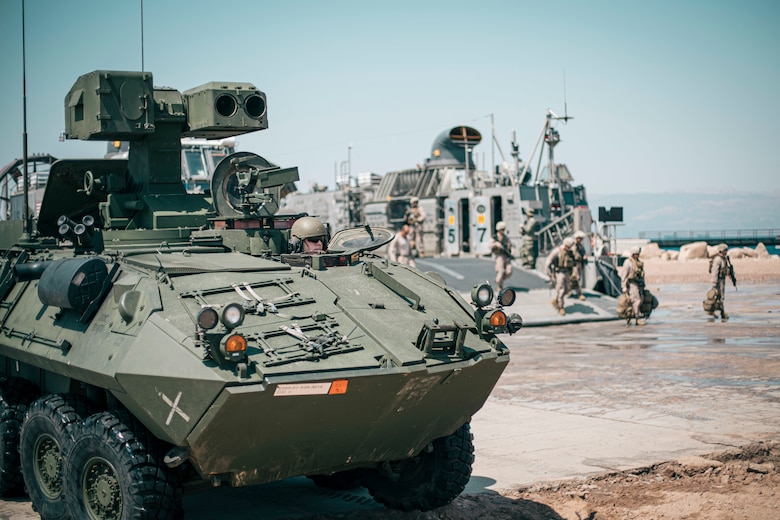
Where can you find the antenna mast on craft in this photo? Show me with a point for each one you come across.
(26, 231)
(142, 37)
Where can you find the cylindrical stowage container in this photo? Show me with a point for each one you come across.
(72, 283)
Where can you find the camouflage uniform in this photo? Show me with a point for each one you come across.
(414, 216)
(501, 248)
(580, 258)
(632, 280)
(720, 268)
(400, 249)
(527, 247)
(559, 265)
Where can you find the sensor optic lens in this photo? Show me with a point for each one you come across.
(226, 105)
(232, 315)
(254, 106)
(208, 318)
(482, 295)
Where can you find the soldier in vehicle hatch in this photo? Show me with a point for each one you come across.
(720, 268)
(309, 236)
(501, 247)
(528, 246)
(559, 265)
(414, 217)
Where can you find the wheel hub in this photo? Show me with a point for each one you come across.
(48, 466)
(101, 491)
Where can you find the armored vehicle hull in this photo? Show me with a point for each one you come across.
(153, 338)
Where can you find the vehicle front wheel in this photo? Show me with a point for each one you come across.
(428, 480)
(115, 471)
(43, 437)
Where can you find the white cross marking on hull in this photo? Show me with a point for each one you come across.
(174, 408)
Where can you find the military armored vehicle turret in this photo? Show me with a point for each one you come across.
(154, 338)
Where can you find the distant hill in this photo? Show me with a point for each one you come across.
(682, 212)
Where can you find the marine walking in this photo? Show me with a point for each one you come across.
(720, 268)
(528, 245)
(414, 218)
(635, 301)
(578, 272)
(559, 265)
(501, 247)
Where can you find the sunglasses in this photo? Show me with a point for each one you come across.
(315, 239)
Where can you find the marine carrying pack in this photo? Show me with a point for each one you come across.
(625, 311)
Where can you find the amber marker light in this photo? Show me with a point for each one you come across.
(498, 319)
(233, 347)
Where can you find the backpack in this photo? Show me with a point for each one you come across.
(712, 301)
(649, 302)
(624, 309)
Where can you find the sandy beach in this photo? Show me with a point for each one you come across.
(746, 270)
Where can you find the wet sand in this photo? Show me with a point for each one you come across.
(584, 398)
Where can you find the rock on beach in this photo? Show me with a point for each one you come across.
(691, 263)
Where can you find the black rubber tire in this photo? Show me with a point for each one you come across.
(115, 471)
(43, 443)
(340, 481)
(432, 479)
(15, 395)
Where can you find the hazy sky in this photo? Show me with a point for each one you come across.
(668, 95)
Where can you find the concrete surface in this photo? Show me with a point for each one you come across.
(581, 398)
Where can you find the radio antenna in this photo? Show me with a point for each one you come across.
(565, 107)
(142, 37)
(27, 227)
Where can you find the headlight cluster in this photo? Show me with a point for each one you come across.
(232, 317)
(493, 320)
(232, 345)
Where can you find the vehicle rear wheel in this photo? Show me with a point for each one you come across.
(115, 471)
(44, 437)
(428, 480)
(15, 395)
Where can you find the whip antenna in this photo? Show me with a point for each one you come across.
(27, 226)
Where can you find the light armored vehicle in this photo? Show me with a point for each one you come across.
(153, 338)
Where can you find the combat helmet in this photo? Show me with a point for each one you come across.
(722, 248)
(568, 241)
(306, 227)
